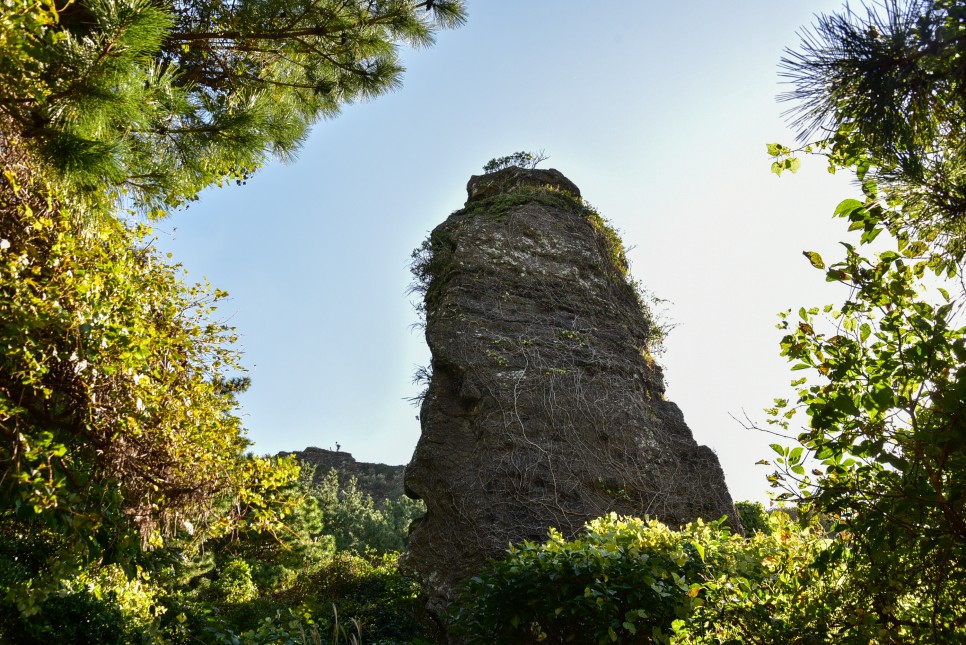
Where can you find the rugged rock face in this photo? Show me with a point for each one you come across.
(545, 407)
(379, 481)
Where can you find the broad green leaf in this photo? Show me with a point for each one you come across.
(846, 207)
(700, 549)
(869, 235)
(884, 397)
(815, 259)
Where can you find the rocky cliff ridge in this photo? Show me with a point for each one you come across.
(379, 481)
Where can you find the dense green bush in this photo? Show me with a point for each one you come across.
(778, 585)
(634, 581)
(80, 618)
(624, 579)
(99, 605)
(234, 584)
(386, 605)
(291, 586)
(356, 594)
(754, 517)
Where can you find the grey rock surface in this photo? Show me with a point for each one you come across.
(545, 407)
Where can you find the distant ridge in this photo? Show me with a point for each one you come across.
(380, 481)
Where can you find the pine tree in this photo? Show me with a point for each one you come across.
(156, 100)
(884, 89)
(118, 429)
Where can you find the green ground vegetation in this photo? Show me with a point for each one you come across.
(326, 573)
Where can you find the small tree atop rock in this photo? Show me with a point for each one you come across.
(523, 159)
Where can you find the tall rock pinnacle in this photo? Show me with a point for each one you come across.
(545, 408)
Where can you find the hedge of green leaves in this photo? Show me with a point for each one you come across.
(627, 580)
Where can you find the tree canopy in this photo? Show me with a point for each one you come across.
(153, 101)
(117, 423)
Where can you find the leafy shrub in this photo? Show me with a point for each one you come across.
(368, 594)
(235, 584)
(800, 584)
(80, 618)
(97, 605)
(100, 605)
(624, 579)
(371, 591)
(753, 516)
(635, 581)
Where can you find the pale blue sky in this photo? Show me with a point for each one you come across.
(658, 111)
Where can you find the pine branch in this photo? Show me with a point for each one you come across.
(243, 36)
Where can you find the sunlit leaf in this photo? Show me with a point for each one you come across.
(815, 259)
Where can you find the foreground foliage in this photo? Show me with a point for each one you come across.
(629, 580)
(624, 579)
(125, 490)
(246, 587)
(882, 450)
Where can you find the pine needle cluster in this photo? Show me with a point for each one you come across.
(146, 103)
(884, 89)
